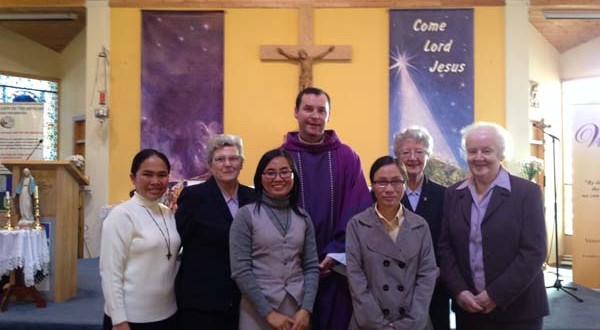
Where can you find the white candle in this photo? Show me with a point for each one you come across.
(35, 192)
(7, 194)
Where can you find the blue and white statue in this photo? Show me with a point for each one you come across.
(25, 191)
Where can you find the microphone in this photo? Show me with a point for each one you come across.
(34, 149)
(540, 125)
(542, 128)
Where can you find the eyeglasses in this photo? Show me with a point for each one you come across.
(285, 173)
(223, 159)
(418, 153)
(384, 183)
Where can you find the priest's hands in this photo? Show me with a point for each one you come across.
(325, 267)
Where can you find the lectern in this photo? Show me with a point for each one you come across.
(59, 185)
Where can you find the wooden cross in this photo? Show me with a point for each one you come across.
(305, 53)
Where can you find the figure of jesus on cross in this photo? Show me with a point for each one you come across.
(306, 53)
(306, 62)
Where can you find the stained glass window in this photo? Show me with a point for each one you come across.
(22, 89)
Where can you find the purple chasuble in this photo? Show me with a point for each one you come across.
(332, 190)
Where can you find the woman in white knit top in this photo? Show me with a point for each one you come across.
(138, 252)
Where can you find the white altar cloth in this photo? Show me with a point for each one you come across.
(24, 248)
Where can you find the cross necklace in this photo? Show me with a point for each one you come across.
(166, 237)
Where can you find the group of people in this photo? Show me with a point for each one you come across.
(236, 257)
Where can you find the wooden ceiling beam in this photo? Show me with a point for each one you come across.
(565, 3)
(41, 3)
(297, 3)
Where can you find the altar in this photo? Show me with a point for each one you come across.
(24, 251)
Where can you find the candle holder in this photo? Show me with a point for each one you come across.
(7, 207)
(36, 215)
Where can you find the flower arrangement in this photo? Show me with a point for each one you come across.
(78, 161)
(532, 166)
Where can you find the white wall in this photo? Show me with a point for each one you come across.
(21, 55)
(96, 133)
(581, 62)
(544, 69)
(72, 92)
(517, 79)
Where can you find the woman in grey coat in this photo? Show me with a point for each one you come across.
(273, 251)
(391, 263)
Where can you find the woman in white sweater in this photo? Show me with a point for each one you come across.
(138, 252)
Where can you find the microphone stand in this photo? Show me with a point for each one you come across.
(34, 149)
(557, 284)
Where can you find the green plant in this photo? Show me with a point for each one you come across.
(531, 167)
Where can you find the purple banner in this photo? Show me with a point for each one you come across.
(431, 76)
(182, 86)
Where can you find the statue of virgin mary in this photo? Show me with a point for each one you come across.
(25, 191)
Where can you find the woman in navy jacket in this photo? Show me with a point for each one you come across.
(413, 147)
(207, 298)
(493, 240)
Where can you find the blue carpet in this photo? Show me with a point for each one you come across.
(84, 311)
(566, 313)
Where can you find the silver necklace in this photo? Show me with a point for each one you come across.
(166, 237)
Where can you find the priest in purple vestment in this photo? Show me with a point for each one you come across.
(332, 189)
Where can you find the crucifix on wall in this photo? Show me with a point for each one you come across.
(306, 53)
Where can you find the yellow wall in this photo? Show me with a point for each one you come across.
(259, 95)
(490, 66)
(125, 100)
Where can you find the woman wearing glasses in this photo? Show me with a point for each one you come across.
(413, 147)
(391, 264)
(273, 251)
(207, 297)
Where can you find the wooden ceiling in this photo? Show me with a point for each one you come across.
(55, 35)
(562, 34)
(565, 34)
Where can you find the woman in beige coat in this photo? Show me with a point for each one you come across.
(391, 264)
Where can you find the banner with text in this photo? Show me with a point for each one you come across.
(431, 76)
(586, 194)
(21, 130)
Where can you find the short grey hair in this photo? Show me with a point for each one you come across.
(503, 138)
(223, 140)
(417, 133)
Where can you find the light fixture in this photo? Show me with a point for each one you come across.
(38, 16)
(555, 14)
(100, 92)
